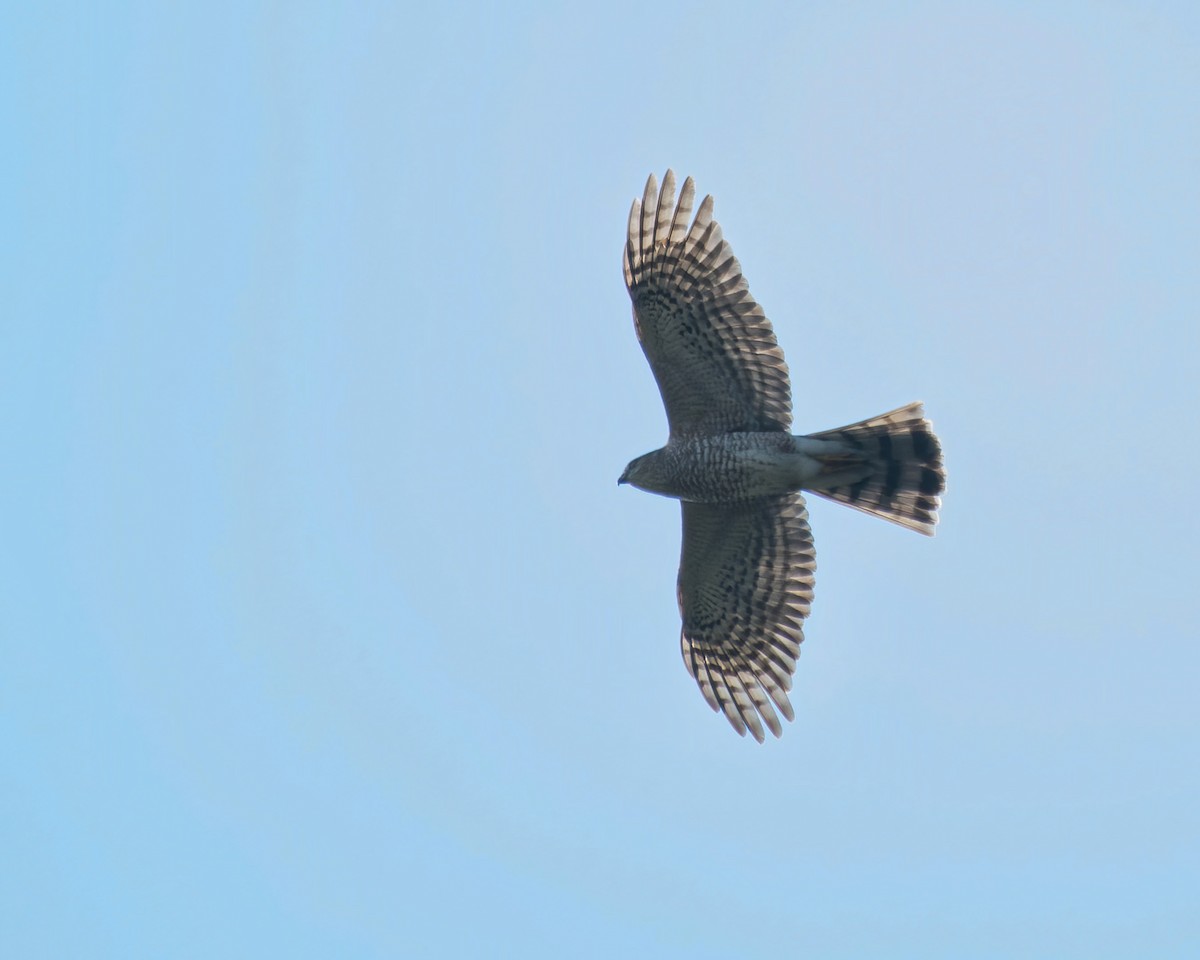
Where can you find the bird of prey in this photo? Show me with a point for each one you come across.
(746, 566)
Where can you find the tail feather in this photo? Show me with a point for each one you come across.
(896, 462)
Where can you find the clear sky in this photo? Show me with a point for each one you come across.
(326, 630)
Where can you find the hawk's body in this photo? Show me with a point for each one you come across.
(746, 569)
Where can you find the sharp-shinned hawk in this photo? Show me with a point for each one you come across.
(746, 570)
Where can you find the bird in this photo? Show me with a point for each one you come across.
(747, 561)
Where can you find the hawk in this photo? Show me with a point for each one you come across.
(747, 561)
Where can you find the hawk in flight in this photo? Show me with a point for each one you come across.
(746, 568)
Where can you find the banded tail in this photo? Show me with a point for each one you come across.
(905, 477)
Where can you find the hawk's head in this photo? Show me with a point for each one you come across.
(647, 472)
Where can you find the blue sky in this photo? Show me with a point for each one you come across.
(326, 630)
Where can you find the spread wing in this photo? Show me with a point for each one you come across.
(711, 347)
(745, 586)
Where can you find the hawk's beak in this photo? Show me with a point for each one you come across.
(623, 478)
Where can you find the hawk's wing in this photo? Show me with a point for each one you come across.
(745, 586)
(711, 347)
